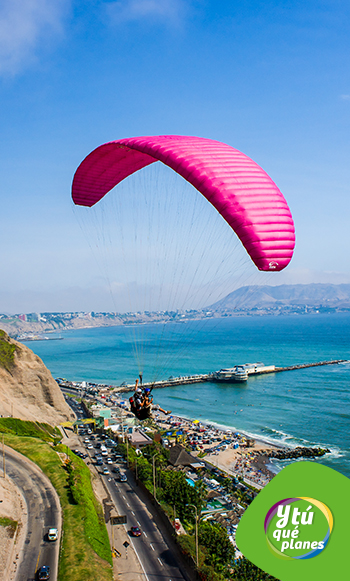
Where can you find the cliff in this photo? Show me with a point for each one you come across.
(27, 388)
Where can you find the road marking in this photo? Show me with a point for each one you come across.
(127, 504)
(152, 547)
(132, 512)
(123, 496)
(160, 561)
(137, 555)
(138, 523)
(37, 563)
(145, 534)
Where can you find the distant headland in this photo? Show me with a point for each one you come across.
(298, 299)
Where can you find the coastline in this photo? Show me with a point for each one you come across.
(234, 452)
(246, 461)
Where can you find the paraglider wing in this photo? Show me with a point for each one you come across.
(235, 185)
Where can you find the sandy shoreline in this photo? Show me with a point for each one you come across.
(230, 450)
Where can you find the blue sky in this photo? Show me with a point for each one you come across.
(270, 78)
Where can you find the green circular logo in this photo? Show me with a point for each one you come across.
(298, 528)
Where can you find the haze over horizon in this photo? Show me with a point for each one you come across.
(269, 78)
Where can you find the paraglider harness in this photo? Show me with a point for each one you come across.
(142, 413)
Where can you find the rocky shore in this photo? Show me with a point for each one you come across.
(298, 452)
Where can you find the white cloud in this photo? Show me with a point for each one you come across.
(171, 11)
(23, 25)
(345, 97)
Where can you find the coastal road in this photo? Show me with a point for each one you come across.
(43, 512)
(157, 560)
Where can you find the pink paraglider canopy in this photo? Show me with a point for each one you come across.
(235, 185)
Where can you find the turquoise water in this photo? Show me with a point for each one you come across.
(307, 406)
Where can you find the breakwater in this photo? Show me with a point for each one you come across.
(298, 452)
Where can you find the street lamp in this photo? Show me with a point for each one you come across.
(196, 521)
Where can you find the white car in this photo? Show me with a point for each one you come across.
(109, 461)
(52, 534)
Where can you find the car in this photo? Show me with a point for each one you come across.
(105, 471)
(90, 447)
(115, 469)
(99, 462)
(123, 478)
(52, 534)
(109, 461)
(44, 573)
(135, 532)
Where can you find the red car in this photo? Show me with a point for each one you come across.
(135, 532)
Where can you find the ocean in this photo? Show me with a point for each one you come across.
(309, 407)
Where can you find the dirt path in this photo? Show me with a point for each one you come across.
(13, 506)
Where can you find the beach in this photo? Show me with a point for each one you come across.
(230, 451)
(235, 453)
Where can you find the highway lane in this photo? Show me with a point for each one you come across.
(43, 511)
(154, 554)
(156, 557)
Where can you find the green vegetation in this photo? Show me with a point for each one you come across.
(7, 352)
(219, 553)
(216, 554)
(85, 550)
(246, 571)
(10, 524)
(39, 430)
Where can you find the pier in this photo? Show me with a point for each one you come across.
(305, 365)
(203, 377)
(251, 369)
